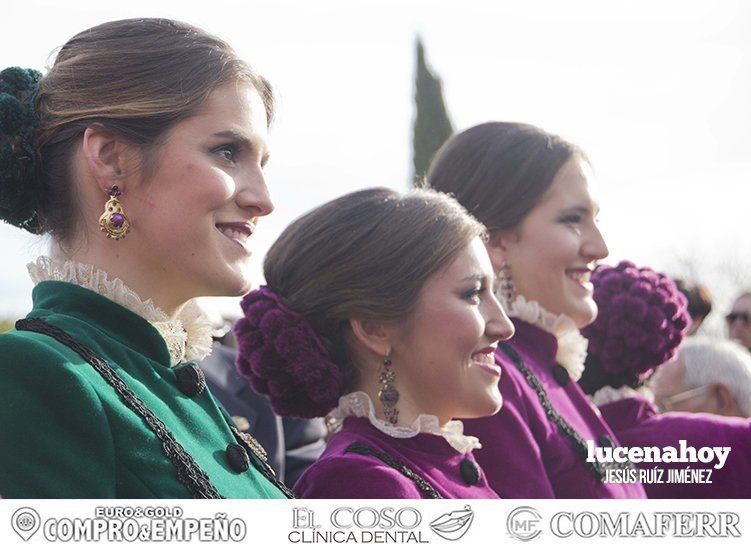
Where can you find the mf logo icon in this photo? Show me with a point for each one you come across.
(523, 523)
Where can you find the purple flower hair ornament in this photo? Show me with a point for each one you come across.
(284, 358)
(642, 320)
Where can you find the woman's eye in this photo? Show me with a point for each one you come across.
(227, 152)
(573, 221)
(474, 295)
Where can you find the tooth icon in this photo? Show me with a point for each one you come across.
(25, 522)
(454, 525)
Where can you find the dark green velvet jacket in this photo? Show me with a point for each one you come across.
(65, 433)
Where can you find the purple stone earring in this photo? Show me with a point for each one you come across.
(388, 395)
(506, 284)
(113, 222)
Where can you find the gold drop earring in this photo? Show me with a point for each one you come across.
(113, 222)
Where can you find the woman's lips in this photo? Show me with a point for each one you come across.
(238, 233)
(581, 277)
(486, 361)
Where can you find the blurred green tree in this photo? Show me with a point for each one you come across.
(432, 126)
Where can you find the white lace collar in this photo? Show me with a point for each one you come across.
(188, 335)
(358, 404)
(572, 346)
(608, 394)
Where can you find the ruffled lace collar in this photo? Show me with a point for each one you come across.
(188, 335)
(358, 404)
(572, 346)
(608, 394)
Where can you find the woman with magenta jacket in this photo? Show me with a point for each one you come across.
(379, 313)
(535, 194)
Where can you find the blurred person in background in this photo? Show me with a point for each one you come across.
(534, 191)
(739, 320)
(642, 321)
(710, 375)
(699, 303)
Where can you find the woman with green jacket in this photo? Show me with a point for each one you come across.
(141, 154)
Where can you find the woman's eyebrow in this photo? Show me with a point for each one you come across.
(235, 135)
(477, 276)
(578, 209)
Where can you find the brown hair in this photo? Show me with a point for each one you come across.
(367, 255)
(137, 78)
(698, 297)
(499, 171)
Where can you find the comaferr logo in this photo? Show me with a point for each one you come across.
(641, 524)
(526, 523)
(454, 525)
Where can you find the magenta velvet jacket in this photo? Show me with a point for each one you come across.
(348, 475)
(523, 453)
(636, 422)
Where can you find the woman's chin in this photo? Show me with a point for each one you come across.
(246, 287)
(489, 408)
(235, 285)
(497, 405)
(584, 313)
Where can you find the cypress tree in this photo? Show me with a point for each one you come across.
(432, 126)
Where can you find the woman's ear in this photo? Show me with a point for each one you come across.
(372, 335)
(107, 158)
(497, 249)
(725, 399)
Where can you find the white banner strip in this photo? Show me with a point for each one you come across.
(373, 522)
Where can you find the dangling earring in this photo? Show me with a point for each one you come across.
(506, 286)
(113, 221)
(388, 395)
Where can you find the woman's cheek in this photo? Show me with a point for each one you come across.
(568, 243)
(217, 186)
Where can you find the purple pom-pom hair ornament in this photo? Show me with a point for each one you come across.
(642, 320)
(284, 358)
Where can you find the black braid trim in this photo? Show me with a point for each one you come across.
(598, 468)
(188, 472)
(427, 490)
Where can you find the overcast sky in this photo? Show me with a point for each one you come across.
(657, 92)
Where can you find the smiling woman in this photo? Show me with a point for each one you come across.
(535, 193)
(379, 311)
(149, 179)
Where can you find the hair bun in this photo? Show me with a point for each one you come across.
(18, 121)
(642, 319)
(284, 358)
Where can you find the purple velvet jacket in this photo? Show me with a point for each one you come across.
(523, 453)
(348, 475)
(636, 422)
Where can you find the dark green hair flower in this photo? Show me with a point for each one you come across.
(18, 121)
